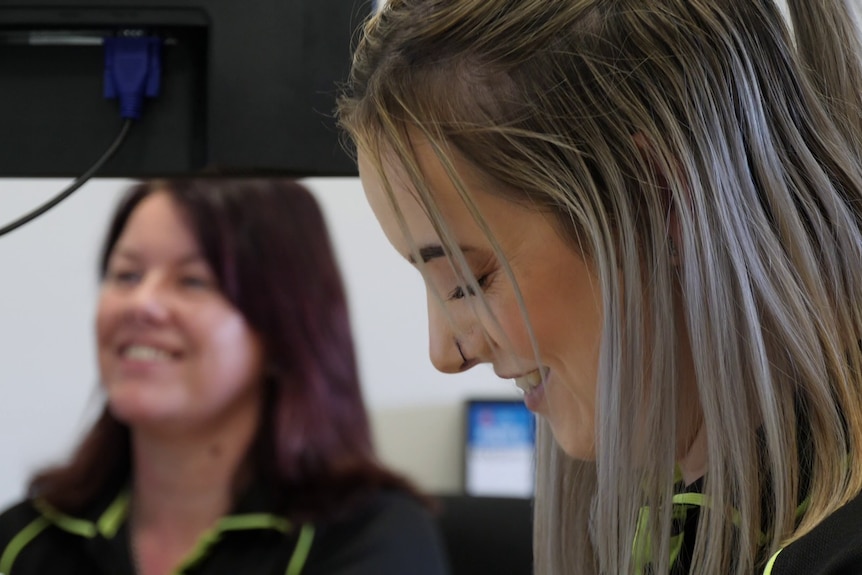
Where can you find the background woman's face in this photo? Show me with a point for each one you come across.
(173, 352)
(559, 289)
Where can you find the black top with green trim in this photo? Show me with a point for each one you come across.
(390, 534)
(832, 548)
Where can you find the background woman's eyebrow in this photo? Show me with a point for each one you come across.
(137, 256)
(192, 258)
(124, 253)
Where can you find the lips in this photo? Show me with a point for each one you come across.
(532, 380)
(533, 386)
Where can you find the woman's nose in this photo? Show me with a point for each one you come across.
(148, 301)
(455, 343)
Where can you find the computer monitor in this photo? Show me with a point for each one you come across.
(499, 448)
(247, 87)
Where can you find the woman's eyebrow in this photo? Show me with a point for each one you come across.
(434, 251)
(135, 256)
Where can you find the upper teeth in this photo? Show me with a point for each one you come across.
(146, 353)
(529, 381)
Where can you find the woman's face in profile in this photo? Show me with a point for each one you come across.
(174, 354)
(560, 293)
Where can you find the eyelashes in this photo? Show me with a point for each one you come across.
(462, 291)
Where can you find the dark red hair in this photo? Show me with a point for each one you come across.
(267, 243)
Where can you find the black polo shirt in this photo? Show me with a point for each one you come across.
(832, 548)
(390, 534)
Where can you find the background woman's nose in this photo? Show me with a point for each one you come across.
(148, 299)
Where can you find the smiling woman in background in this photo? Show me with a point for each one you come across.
(649, 215)
(235, 438)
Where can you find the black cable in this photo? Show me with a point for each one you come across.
(80, 181)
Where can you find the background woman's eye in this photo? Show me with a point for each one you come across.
(193, 281)
(123, 277)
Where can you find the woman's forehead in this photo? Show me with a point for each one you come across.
(395, 202)
(502, 216)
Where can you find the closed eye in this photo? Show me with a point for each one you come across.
(461, 291)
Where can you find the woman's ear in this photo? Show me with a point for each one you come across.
(672, 226)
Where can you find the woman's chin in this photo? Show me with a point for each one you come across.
(580, 446)
(136, 412)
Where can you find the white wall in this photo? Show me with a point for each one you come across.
(48, 378)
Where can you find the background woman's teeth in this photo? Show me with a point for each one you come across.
(146, 353)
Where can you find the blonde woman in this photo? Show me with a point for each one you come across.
(647, 214)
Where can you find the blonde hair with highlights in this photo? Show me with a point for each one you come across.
(614, 114)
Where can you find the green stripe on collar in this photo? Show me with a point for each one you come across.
(771, 564)
(245, 522)
(300, 553)
(65, 522)
(254, 521)
(20, 541)
(114, 516)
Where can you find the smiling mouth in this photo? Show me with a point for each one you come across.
(530, 381)
(146, 353)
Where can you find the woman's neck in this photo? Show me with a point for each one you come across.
(182, 484)
(692, 447)
(693, 464)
